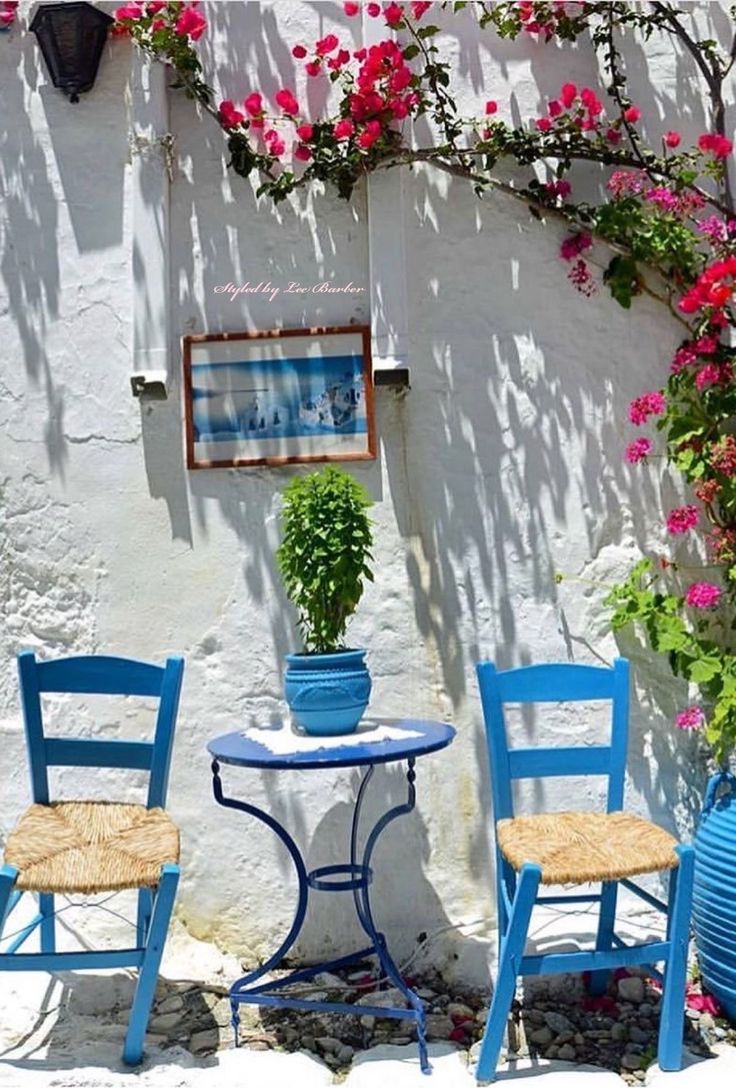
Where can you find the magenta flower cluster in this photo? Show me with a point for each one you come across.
(703, 595)
(648, 404)
(692, 718)
(638, 449)
(681, 519)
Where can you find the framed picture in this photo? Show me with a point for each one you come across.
(279, 398)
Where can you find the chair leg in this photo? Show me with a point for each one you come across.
(8, 877)
(503, 915)
(148, 974)
(675, 970)
(145, 906)
(606, 922)
(508, 970)
(48, 930)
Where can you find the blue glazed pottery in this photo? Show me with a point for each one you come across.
(714, 893)
(327, 693)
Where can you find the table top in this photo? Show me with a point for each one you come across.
(376, 740)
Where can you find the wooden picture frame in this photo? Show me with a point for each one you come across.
(281, 397)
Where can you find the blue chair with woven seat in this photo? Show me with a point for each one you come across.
(577, 848)
(88, 847)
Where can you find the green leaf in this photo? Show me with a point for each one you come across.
(705, 669)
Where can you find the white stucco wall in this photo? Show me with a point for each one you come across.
(502, 466)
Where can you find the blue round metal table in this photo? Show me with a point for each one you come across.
(280, 748)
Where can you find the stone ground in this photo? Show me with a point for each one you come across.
(67, 1032)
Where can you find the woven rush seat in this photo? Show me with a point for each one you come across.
(582, 847)
(91, 846)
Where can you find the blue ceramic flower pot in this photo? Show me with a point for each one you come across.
(327, 693)
(714, 893)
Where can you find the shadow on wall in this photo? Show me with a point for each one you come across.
(505, 466)
(48, 160)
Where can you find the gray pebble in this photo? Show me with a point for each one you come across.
(541, 1037)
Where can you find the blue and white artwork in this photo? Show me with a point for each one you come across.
(279, 398)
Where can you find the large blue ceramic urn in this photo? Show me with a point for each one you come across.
(328, 693)
(714, 893)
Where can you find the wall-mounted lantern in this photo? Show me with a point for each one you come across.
(72, 37)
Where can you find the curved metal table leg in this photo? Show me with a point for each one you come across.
(301, 872)
(362, 900)
(357, 878)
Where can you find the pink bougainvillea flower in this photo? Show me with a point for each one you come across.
(299, 52)
(719, 146)
(714, 228)
(313, 68)
(326, 45)
(558, 188)
(491, 107)
(708, 375)
(129, 11)
(254, 104)
(568, 94)
(344, 129)
(682, 519)
(155, 6)
(302, 152)
(274, 142)
(286, 99)
(543, 124)
(703, 595)
(351, 9)
(305, 132)
(701, 1002)
(191, 23)
(648, 404)
(418, 9)
(638, 449)
(228, 116)
(581, 278)
(672, 138)
(574, 245)
(393, 14)
(369, 135)
(684, 356)
(632, 114)
(692, 718)
(339, 60)
(591, 101)
(554, 108)
(613, 136)
(374, 10)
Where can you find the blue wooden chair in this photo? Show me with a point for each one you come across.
(577, 848)
(88, 847)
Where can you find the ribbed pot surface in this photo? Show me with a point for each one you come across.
(714, 895)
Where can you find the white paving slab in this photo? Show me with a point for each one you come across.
(381, 1067)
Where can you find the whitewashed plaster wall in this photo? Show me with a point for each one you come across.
(502, 466)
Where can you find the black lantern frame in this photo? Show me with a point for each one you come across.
(72, 37)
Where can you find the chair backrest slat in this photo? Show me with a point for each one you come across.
(554, 683)
(559, 762)
(100, 675)
(85, 752)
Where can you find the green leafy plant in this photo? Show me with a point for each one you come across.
(325, 553)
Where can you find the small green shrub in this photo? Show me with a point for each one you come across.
(325, 553)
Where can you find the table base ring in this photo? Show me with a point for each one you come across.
(356, 877)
